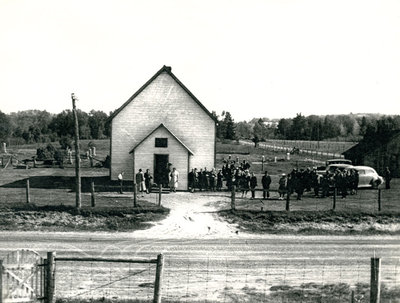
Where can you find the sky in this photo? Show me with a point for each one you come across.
(270, 58)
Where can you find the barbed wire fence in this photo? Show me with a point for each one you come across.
(364, 201)
(103, 279)
(213, 279)
(323, 149)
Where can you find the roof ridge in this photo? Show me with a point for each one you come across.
(168, 130)
(168, 70)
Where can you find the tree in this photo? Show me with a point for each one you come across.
(5, 127)
(330, 128)
(243, 130)
(97, 121)
(32, 125)
(230, 133)
(255, 140)
(314, 127)
(63, 124)
(298, 130)
(363, 126)
(259, 131)
(283, 129)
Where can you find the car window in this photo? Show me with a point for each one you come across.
(361, 172)
(341, 161)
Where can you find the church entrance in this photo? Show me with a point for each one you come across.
(161, 169)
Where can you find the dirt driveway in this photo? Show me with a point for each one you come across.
(193, 215)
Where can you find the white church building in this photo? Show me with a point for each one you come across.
(162, 123)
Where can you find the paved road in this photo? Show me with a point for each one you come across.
(213, 268)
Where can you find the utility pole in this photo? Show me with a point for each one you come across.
(78, 201)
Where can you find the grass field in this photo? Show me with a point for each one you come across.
(239, 152)
(53, 199)
(55, 186)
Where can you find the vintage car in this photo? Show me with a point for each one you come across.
(338, 161)
(333, 167)
(321, 170)
(368, 177)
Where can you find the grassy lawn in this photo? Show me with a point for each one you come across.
(254, 156)
(53, 200)
(55, 187)
(311, 215)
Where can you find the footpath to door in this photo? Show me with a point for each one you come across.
(193, 215)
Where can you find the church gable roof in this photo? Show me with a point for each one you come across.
(157, 128)
(166, 69)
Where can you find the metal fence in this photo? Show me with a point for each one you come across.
(211, 279)
(317, 148)
(365, 200)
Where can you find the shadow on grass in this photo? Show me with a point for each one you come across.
(143, 207)
(102, 183)
(64, 218)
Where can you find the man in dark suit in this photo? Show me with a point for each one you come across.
(253, 185)
(266, 182)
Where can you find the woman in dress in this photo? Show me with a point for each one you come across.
(174, 178)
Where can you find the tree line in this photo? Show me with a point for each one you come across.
(351, 127)
(36, 126)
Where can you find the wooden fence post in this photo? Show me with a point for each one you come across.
(375, 289)
(334, 198)
(78, 198)
(134, 192)
(233, 195)
(92, 194)
(158, 281)
(1, 281)
(50, 277)
(159, 194)
(352, 297)
(262, 163)
(379, 199)
(28, 192)
(288, 200)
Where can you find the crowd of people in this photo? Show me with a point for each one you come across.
(308, 180)
(298, 181)
(232, 173)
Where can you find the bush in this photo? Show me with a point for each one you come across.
(46, 153)
(66, 142)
